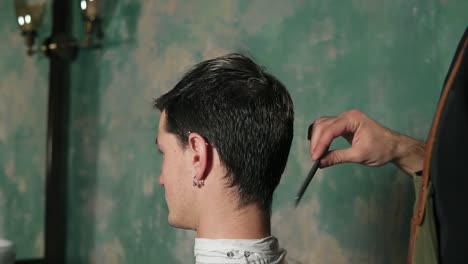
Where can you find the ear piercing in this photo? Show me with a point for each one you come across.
(206, 143)
(200, 184)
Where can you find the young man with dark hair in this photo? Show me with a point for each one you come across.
(225, 133)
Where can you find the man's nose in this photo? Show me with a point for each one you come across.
(161, 180)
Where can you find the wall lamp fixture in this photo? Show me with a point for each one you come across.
(29, 15)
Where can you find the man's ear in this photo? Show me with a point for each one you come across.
(200, 155)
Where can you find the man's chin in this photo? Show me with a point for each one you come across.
(177, 223)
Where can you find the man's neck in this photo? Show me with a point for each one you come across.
(231, 222)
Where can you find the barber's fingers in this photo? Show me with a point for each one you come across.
(339, 156)
(318, 127)
(336, 128)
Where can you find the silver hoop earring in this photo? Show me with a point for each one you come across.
(194, 182)
(202, 183)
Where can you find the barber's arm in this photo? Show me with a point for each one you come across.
(371, 144)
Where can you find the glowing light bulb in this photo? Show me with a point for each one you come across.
(20, 20)
(83, 5)
(27, 19)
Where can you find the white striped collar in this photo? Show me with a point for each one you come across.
(262, 251)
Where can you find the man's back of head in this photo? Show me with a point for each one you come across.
(243, 112)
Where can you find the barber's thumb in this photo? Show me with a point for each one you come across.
(338, 156)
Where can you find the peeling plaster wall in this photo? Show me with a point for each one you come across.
(23, 124)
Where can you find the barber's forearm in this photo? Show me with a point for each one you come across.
(409, 156)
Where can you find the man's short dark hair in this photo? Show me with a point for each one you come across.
(244, 112)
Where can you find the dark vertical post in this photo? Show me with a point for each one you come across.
(57, 141)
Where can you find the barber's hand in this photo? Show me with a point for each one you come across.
(371, 143)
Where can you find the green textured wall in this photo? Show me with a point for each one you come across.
(387, 58)
(23, 122)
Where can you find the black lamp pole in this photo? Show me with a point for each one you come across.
(57, 141)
